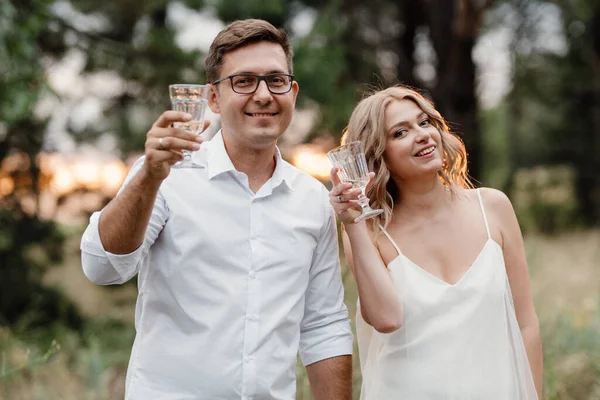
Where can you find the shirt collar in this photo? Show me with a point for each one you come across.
(284, 172)
(217, 162)
(216, 159)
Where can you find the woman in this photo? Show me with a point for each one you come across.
(445, 305)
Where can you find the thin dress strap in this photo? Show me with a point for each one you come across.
(391, 240)
(487, 227)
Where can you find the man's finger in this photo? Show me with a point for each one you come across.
(173, 143)
(169, 156)
(181, 134)
(168, 117)
(175, 157)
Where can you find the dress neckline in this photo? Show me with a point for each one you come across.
(471, 266)
(436, 278)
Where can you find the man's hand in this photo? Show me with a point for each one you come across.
(164, 144)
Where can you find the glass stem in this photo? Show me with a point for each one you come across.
(363, 200)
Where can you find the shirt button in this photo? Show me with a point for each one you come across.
(252, 274)
(253, 317)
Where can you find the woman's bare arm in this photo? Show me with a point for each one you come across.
(518, 276)
(380, 304)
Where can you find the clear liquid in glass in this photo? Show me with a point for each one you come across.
(196, 108)
(358, 183)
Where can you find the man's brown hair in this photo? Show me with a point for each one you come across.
(239, 34)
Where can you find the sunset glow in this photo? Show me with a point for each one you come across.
(6, 186)
(62, 181)
(312, 161)
(63, 175)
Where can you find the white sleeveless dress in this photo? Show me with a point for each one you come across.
(458, 341)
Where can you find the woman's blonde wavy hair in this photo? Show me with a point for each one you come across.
(367, 125)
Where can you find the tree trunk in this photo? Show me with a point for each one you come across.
(412, 14)
(593, 195)
(454, 27)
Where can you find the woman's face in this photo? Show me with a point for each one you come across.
(413, 145)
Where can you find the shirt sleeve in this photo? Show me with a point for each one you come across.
(105, 268)
(325, 330)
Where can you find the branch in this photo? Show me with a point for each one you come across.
(487, 4)
(114, 46)
(53, 349)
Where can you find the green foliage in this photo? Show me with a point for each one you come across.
(544, 199)
(21, 74)
(28, 245)
(139, 43)
(274, 11)
(62, 364)
(335, 64)
(496, 152)
(572, 357)
(323, 71)
(553, 107)
(30, 362)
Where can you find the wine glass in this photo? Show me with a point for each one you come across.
(350, 158)
(191, 99)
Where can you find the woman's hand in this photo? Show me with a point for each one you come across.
(343, 199)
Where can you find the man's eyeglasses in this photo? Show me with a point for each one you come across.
(248, 83)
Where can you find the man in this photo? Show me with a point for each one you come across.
(238, 260)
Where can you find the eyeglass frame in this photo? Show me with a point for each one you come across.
(260, 78)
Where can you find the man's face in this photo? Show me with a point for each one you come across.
(253, 120)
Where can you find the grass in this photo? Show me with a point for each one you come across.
(92, 366)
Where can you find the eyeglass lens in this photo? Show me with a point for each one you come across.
(249, 83)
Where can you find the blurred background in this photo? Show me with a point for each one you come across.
(81, 82)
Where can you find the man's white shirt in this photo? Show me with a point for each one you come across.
(231, 283)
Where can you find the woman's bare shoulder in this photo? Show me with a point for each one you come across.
(497, 202)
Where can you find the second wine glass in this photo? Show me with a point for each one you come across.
(350, 158)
